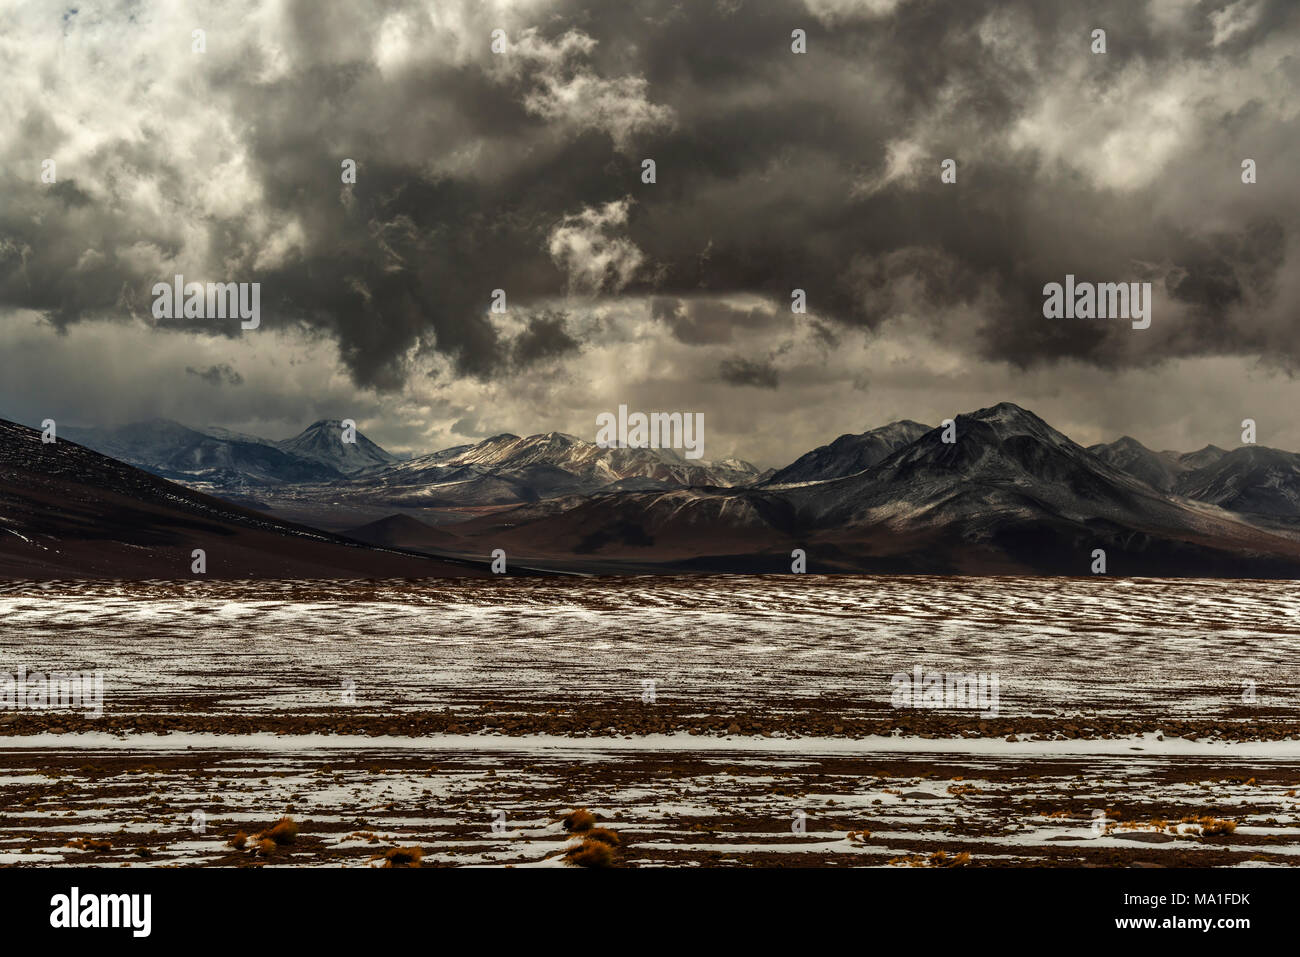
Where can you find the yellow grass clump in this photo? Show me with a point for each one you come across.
(403, 857)
(591, 853)
(577, 821)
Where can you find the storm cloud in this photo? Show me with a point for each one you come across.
(523, 171)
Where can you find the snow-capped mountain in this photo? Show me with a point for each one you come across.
(227, 461)
(322, 442)
(316, 477)
(1200, 458)
(501, 469)
(1011, 495)
(849, 453)
(217, 456)
(509, 453)
(509, 470)
(69, 512)
(1252, 479)
(1158, 469)
(1003, 460)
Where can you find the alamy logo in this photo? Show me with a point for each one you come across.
(1106, 300)
(656, 430)
(937, 689)
(214, 300)
(103, 910)
(58, 690)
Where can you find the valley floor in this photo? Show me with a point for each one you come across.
(707, 721)
(178, 799)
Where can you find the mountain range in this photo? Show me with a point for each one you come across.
(317, 478)
(215, 456)
(69, 512)
(1252, 479)
(1010, 495)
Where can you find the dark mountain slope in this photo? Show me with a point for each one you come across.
(1160, 470)
(1011, 495)
(68, 512)
(849, 453)
(1251, 479)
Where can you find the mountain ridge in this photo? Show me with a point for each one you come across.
(67, 511)
(1010, 492)
(1009, 495)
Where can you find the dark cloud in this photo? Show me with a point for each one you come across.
(775, 172)
(221, 374)
(544, 338)
(754, 372)
(709, 322)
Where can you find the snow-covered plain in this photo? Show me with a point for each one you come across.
(501, 803)
(1071, 649)
(1182, 648)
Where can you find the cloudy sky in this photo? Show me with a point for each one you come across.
(521, 170)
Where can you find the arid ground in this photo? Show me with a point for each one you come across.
(718, 720)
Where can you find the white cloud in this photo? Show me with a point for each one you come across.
(1127, 132)
(586, 247)
(903, 162)
(834, 11)
(567, 92)
(1233, 19)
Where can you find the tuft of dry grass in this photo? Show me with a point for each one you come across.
(1155, 824)
(403, 856)
(600, 847)
(591, 854)
(90, 844)
(578, 821)
(283, 831)
(1211, 826)
(1208, 826)
(604, 835)
(863, 835)
(267, 841)
(937, 859)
